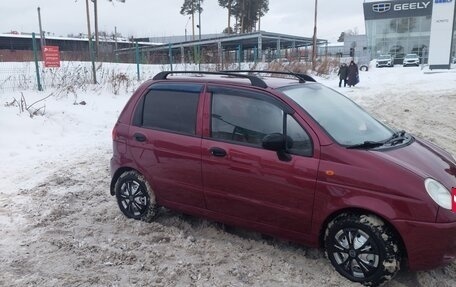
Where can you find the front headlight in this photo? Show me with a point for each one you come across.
(438, 193)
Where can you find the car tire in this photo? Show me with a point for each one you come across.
(363, 68)
(135, 197)
(362, 248)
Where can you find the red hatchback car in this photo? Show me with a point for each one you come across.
(290, 158)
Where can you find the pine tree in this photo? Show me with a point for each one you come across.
(190, 7)
(227, 4)
(248, 13)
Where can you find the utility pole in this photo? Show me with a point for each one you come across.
(115, 38)
(94, 74)
(186, 28)
(193, 21)
(199, 19)
(42, 38)
(115, 43)
(229, 16)
(95, 11)
(242, 16)
(314, 45)
(199, 34)
(259, 22)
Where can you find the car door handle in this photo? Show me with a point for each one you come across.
(139, 137)
(216, 151)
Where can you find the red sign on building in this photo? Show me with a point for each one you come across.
(51, 56)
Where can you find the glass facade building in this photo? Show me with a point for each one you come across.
(399, 27)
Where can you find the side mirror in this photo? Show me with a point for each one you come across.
(279, 143)
(274, 142)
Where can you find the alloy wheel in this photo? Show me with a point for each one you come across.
(133, 199)
(355, 252)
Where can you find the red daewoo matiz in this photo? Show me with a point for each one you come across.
(290, 158)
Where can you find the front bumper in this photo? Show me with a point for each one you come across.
(383, 64)
(428, 245)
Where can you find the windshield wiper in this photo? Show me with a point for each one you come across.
(397, 137)
(366, 145)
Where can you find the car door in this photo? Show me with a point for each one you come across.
(242, 179)
(165, 141)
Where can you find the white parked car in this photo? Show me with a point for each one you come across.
(385, 61)
(411, 59)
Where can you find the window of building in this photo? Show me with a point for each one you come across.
(399, 36)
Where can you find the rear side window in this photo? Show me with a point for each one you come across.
(172, 107)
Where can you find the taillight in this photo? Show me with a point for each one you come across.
(453, 196)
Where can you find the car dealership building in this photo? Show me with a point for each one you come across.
(400, 27)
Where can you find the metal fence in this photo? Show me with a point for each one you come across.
(136, 64)
(15, 75)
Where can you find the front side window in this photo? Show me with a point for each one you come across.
(244, 119)
(171, 107)
(302, 144)
(248, 119)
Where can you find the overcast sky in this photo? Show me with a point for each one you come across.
(154, 18)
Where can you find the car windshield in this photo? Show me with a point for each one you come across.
(411, 56)
(384, 57)
(346, 122)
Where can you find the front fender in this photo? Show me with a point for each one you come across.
(331, 199)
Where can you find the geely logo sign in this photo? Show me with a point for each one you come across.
(381, 7)
(385, 7)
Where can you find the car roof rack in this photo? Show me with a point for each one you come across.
(254, 80)
(301, 77)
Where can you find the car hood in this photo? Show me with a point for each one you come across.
(425, 160)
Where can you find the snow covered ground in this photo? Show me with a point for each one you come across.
(59, 225)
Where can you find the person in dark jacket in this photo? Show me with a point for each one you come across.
(343, 71)
(353, 76)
